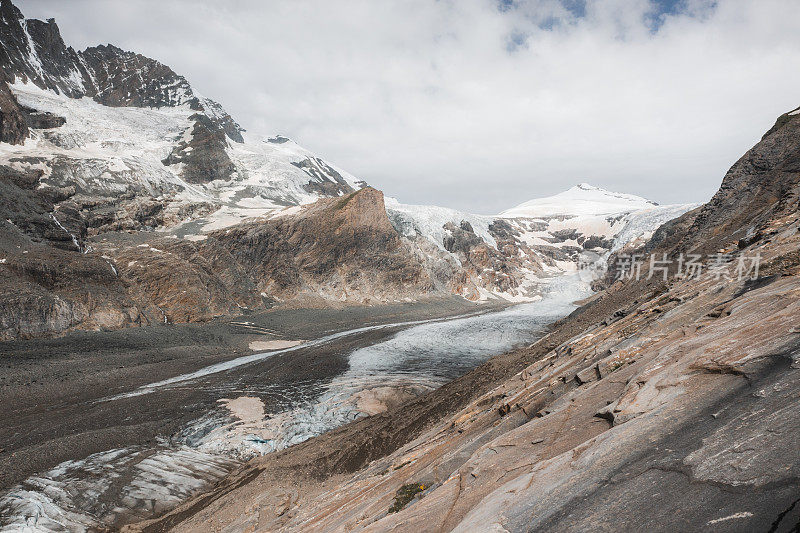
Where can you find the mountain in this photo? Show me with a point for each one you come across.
(665, 403)
(107, 145)
(582, 199)
(33, 51)
(133, 125)
(513, 255)
(129, 199)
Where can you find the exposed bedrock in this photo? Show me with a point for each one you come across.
(13, 123)
(339, 249)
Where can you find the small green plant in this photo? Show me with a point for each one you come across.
(615, 365)
(619, 362)
(404, 496)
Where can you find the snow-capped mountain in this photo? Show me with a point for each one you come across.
(153, 205)
(107, 153)
(514, 255)
(582, 199)
(121, 125)
(591, 217)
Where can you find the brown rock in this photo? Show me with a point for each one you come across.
(13, 127)
(587, 375)
(335, 249)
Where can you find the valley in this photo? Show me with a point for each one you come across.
(96, 453)
(205, 329)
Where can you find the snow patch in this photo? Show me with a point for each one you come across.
(428, 221)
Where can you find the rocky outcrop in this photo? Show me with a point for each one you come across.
(34, 50)
(494, 269)
(340, 249)
(48, 290)
(42, 120)
(54, 279)
(185, 281)
(762, 186)
(13, 123)
(759, 193)
(325, 180)
(203, 154)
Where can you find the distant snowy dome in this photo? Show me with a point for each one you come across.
(582, 199)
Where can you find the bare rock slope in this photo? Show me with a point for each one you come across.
(336, 249)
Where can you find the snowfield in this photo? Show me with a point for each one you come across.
(429, 221)
(112, 150)
(582, 199)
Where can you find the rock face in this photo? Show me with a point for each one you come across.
(203, 154)
(762, 186)
(338, 249)
(13, 126)
(659, 405)
(325, 179)
(33, 50)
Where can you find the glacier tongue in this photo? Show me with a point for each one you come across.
(120, 484)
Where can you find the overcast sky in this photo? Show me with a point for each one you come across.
(481, 104)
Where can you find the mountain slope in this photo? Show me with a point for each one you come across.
(335, 249)
(184, 135)
(33, 50)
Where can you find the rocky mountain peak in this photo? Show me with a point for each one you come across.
(341, 249)
(581, 199)
(33, 51)
(364, 208)
(9, 12)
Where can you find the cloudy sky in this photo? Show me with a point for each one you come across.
(481, 104)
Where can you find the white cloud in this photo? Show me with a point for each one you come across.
(461, 104)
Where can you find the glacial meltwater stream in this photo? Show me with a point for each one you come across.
(256, 416)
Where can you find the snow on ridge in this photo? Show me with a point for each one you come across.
(429, 220)
(114, 149)
(582, 199)
(641, 225)
(604, 223)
